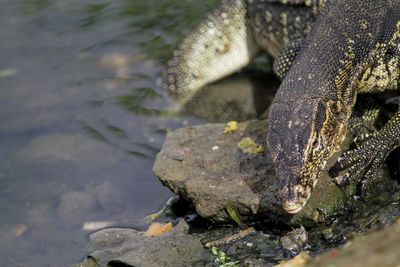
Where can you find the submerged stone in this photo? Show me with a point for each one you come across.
(129, 247)
(75, 204)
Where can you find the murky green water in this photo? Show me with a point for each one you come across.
(81, 119)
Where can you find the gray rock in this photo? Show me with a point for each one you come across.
(204, 165)
(295, 240)
(131, 247)
(89, 262)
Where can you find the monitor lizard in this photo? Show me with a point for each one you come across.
(325, 52)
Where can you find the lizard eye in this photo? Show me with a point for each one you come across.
(315, 142)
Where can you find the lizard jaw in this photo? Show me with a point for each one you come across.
(294, 197)
(294, 211)
(293, 208)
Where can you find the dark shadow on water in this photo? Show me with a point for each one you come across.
(240, 97)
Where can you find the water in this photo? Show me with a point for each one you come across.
(81, 119)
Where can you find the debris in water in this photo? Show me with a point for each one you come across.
(17, 231)
(229, 239)
(297, 261)
(234, 215)
(7, 73)
(91, 226)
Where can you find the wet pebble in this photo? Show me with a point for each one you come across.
(39, 214)
(295, 240)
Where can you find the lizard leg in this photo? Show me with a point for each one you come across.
(372, 172)
(363, 126)
(366, 159)
(286, 57)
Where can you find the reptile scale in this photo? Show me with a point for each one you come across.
(326, 53)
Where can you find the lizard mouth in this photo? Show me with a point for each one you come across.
(294, 211)
(293, 206)
(294, 196)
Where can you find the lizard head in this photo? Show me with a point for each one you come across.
(303, 135)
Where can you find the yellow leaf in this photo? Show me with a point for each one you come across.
(260, 149)
(298, 261)
(156, 229)
(247, 145)
(231, 127)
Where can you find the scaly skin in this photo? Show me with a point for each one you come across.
(326, 52)
(351, 44)
(229, 38)
(221, 44)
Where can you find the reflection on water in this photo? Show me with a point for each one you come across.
(82, 119)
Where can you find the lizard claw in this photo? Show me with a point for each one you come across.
(341, 181)
(364, 189)
(364, 161)
(338, 180)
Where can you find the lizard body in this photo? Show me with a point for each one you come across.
(344, 54)
(231, 36)
(326, 52)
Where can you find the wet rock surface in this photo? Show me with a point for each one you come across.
(203, 165)
(129, 247)
(295, 240)
(267, 245)
(380, 248)
(116, 246)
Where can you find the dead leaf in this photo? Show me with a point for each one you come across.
(297, 261)
(17, 231)
(156, 229)
(231, 127)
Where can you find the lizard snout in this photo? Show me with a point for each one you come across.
(294, 196)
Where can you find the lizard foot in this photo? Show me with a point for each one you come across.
(365, 160)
